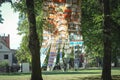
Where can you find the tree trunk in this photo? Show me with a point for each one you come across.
(33, 42)
(106, 73)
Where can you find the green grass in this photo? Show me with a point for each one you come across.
(89, 74)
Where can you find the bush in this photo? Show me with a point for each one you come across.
(3, 63)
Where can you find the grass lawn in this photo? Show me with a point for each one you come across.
(90, 74)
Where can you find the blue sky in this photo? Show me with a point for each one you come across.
(9, 25)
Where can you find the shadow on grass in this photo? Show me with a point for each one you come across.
(13, 74)
(114, 77)
(57, 73)
(50, 73)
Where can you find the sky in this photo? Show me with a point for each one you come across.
(10, 25)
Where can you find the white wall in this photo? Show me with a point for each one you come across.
(5, 51)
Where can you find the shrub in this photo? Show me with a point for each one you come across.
(3, 63)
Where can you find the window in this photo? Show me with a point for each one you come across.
(6, 56)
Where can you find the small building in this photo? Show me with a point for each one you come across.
(6, 54)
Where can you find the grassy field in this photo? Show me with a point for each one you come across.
(82, 74)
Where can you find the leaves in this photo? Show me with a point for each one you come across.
(92, 20)
(23, 53)
(92, 25)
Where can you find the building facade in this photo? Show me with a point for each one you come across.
(6, 54)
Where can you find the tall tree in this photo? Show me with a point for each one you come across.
(106, 73)
(34, 45)
(115, 10)
(23, 28)
(91, 23)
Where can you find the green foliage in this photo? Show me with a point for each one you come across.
(23, 53)
(115, 22)
(39, 20)
(1, 19)
(92, 28)
(92, 21)
(3, 63)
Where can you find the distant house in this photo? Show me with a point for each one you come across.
(6, 54)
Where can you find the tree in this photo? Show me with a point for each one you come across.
(1, 19)
(23, 53)
(25, 30)
(92, 28)
(115, 21)
(91, 23)
(34, 45)
(106, 73)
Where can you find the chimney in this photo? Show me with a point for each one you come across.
(7, 40)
